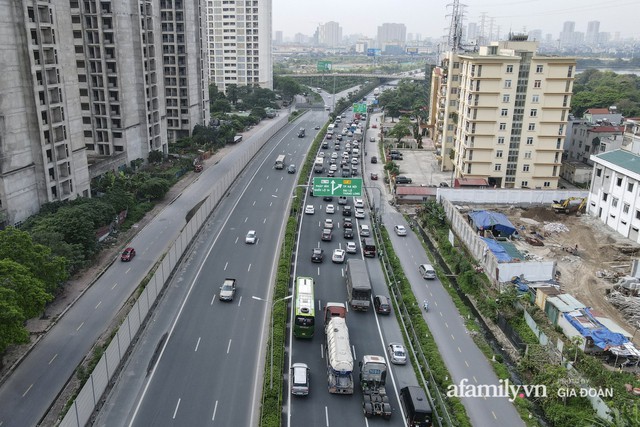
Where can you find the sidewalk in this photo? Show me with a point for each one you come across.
(80, 282)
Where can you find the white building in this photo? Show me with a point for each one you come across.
(614, 196)
(239, 43)
(330, 34)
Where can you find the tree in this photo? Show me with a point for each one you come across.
(153, 189)
(155, 156)
(401, 129)
(392, 110)
(17, 245)
(12, 319)
(233, 93)
(220, 106)
(30, 293)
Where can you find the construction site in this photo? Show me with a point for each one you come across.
(591, 259)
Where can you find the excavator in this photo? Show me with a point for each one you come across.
(565, 206)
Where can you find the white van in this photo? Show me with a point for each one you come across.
(427, 271)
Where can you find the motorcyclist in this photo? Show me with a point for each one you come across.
(425, 304)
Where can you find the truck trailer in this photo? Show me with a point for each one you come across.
(339, 357)
(373, 376)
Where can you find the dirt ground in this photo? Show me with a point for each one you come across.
(601, 258)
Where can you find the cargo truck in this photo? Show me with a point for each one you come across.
(416, 406)
(373, 376)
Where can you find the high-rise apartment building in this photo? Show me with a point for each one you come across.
(501, 113)
(391, 35)
(593, 33)
(330, 34)
(83, 92)
(239, 43)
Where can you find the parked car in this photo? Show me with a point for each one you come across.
(317, 255)
(397, 354)
(382, 304)
(128, 254)
(400, 230)
(400, 179)
(352, 248)
(252, 237)
(444, 184)
(338, 256)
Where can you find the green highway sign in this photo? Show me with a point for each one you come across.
(337, 186)
(324, 66)
(360, 107)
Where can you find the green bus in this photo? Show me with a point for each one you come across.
(304, 317)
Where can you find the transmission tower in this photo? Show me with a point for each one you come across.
(454, 40)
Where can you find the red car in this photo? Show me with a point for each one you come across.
(374, 126)
(374, 176)
(128, 254)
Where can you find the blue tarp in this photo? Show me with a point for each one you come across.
(492, 220)
(602, 337)
(497, 249)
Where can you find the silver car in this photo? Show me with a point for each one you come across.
(397, 354)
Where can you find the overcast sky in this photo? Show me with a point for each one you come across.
(430, 18)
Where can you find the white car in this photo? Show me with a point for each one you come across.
(359, 213)
(400, 230)
(354, 161)
(321, 154)
(397, 354)
(334, 155)
(358, 203)
(330, 209)
(333, 167)
(309, 210)
(338, 256)
(352, 248)
(365, 231)
(328, 223)
(251, 238)
(372, 139)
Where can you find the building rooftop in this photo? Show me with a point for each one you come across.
(565, 303)
(598, 111)
(607, 129)
(622, 158)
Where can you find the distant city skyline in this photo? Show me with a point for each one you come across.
(432, 22)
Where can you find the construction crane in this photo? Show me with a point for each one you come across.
(565, 206)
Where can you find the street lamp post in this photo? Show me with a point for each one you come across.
(271, 332)
(333, 109)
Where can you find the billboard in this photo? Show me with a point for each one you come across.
(374, 52)
(324, 66)
(360, 107)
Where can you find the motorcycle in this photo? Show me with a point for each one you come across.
(425, 305)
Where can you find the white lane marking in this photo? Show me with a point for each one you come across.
(452, 337)
(229, 347)
(353, 349)
(114, 286)
(78, 328)
(197, 344)
(459, 351)
(475, 380)
(270, 204)
(213, 299)
(225, 265)
(97, 305)
(237, 238)
(176, 410)
(274, 196)
(466, 363)
(239, 301)
(53, 358)
(249, 268)
(215, 409)
(254, 203)
(246, 219)
(321, 351)
(27, 390)
(129, 269)
(494, 415)
(264, 221)
(326, 415)
(446, 324)
(276, 189)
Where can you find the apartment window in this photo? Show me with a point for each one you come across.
(537, 84)
(614, 202)
(456, 65)
(454, 91)
(619, 182)
(598, 172)
(497, 167)
(630, 186)
(527, 155)
(501, 140)
(504, 112)
(530, 140)
(532, 126)
(525, 168)
(524, 184)
(625, 208)
(499, 154)
(539, 68)
(535, 99)
(546, 184)
(604, 197)
(509, 68)
(507, 84)
(637, 214)
(505, 98)
(534, 112)
(503, 126)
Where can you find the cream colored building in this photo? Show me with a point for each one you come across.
(239, 43)
(502, 114)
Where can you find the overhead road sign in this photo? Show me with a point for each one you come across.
(324, 186)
